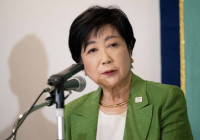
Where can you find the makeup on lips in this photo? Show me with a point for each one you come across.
(109, 72)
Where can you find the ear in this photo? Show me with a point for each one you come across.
(130, 50)
(130, 53)
(85, 73)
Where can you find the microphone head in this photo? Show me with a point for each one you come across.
(82, 83)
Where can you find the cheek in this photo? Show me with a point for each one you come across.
(88, 68)
(125, 65)
(91, 68)
(124, 60)
(92, 73)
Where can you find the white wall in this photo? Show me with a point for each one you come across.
(34, 45)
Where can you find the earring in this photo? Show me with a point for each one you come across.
(132, 60)
(85, 73)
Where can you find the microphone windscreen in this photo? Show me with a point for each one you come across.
(76, 83)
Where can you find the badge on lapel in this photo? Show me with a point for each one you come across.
(138, 99)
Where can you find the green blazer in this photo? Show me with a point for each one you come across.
(162, 114)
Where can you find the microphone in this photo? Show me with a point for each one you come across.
(76, 83)
(59, 78)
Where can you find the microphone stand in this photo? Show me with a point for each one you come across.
(59, 92)
(57, 81)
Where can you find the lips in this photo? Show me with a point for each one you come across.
(109, 72)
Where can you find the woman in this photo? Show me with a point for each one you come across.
(124, 106)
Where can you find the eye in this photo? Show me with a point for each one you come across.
(92, 50)
(113, 45)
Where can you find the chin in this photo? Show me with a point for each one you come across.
(108, 84)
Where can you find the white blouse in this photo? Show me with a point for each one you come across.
(110, 127)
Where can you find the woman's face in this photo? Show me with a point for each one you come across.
(106, 58)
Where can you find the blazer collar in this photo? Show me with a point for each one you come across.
(84, 121)
(138, 89)
(92, 105)
(138, 115)
(139, 112)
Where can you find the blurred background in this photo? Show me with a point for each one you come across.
(34, 45)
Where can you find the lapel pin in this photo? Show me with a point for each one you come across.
(138, 99)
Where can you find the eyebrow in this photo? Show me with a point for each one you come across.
(109, 37)
(89, 43)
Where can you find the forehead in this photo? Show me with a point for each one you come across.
(103, 31)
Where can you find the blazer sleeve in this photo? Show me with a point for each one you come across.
(174, 120)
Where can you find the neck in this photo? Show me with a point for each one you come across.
(117, 94)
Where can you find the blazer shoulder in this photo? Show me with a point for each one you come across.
(163, 88)
(158, 92)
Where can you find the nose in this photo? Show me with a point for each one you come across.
(105, 58)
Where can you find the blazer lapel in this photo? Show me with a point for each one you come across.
(138, 120)
(139, 113)
(84, 122)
